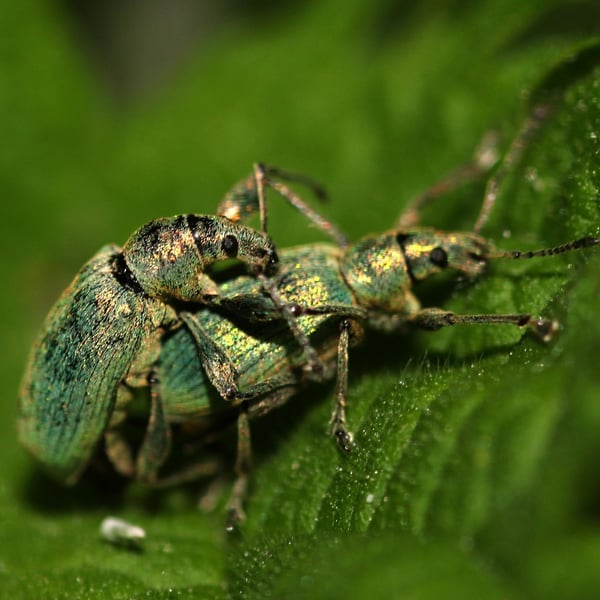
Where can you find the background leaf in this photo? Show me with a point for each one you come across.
(475, 472)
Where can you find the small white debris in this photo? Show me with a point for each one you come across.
(121, 533)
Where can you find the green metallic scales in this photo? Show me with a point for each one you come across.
(103, 335)
(83, 352)
(309, 275)
(169, 255)
(376, 270)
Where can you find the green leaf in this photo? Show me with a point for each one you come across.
(475, 470)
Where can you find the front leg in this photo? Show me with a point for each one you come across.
(338, 416)
(436, 318)
(139, 377)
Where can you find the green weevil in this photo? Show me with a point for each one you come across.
(101, 340)
(102, 336)
(336, 291)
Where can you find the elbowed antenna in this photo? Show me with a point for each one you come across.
(584, 242)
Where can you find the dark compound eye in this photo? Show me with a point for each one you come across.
(401, 238)
(295, 309)
(230, 246)
(439, 257)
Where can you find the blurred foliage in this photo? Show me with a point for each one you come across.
(475, 473)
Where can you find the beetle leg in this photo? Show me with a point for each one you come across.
(485, 157)
(117, 449)
(266, 173)
(436, 318)
(157, 440)
(539, 114)
(205, 467)
(218, 366)
(247, 198)
(354, 312)
(254, 308)
(338, 415)
(313, 366)
(273, 400)
(243, 461)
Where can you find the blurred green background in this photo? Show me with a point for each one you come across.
(476, 472)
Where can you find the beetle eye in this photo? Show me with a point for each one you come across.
(439, 257)
(401, 238)
(230, 246)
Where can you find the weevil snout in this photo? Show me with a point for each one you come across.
(260, 254)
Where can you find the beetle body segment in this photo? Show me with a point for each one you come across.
(375, 269)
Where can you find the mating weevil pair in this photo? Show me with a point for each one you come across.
(148, 316)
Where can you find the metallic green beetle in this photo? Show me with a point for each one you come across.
(103, 335)
(101, 340)
(246, 348)
(336, 293)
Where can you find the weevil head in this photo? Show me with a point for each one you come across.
(381, 269)
(218, 238)
(428, 251)
(253, 247)
(167, 257)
